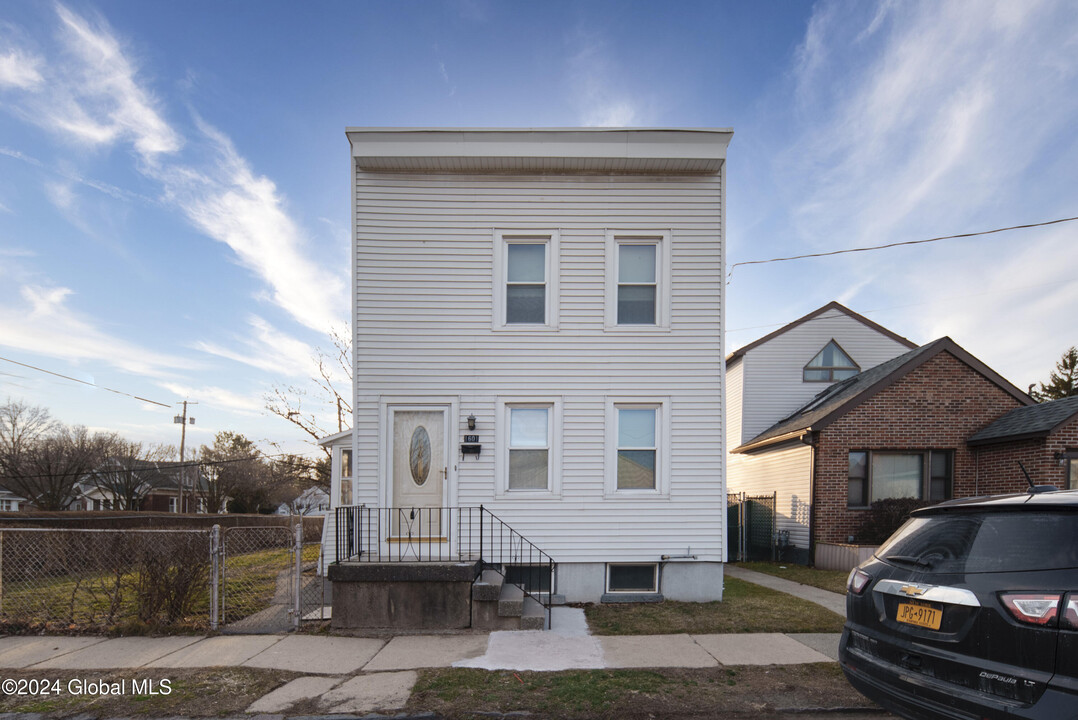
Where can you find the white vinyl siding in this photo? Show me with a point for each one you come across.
(772, 374)
(786, 471)
(426, 327)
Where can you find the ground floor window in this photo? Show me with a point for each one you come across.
(879, 475)
(1072, 469)
(643, 578)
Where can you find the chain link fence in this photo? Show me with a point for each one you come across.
(239, 579)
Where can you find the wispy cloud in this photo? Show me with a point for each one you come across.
(44, 313)
(941, 124)
(267, 348)
(19, 69)
(94, 94)
(596, 88)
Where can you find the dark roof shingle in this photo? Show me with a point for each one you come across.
(1028, 422)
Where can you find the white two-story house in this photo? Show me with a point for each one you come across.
(538, 319)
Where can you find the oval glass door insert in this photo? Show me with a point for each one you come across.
(419, 455)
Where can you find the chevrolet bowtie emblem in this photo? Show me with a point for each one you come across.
(912, 590)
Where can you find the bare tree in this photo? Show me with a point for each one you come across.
(48, 473)
(130, 471)
(326, 391)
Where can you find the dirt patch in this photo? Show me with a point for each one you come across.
(458, 693)
(133, 693)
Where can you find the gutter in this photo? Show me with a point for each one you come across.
(777, 439)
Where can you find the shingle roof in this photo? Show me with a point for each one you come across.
(843, 396)
(1027, 422)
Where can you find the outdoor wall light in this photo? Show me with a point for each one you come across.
(471, 422)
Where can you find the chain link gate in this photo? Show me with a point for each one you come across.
(255, 569)
(751, 527)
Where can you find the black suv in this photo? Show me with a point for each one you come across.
(970, 610)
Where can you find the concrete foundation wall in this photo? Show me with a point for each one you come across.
(403, 595)
(686, 581)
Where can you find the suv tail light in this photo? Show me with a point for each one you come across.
(857, 581)
(1069, 619)
(1033, 608)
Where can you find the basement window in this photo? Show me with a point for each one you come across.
(532, 578)
(632, 578)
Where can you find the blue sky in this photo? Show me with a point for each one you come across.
(174, 176)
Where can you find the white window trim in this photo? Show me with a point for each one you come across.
(501, 445)
(655, 579)
(662, 445)
(503, 238)
(661, 240)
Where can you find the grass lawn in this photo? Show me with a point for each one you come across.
(745, 608)
(833, 580)
(458, 693)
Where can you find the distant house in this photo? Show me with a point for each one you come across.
(11, 501)
(898, 429)
(159, 489)
(313, 501)
(770, 378)
(1044, 438)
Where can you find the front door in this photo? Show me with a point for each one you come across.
(419, 470)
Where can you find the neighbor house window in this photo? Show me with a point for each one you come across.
(643, 578)
(526, 280)
(346, 476)
(830, 364)
(637, 280)
(5, 506)
(638, 448)
(1072, 469)
(877, 475)
(173, 504)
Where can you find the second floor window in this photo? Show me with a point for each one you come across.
(830, 365)
(525, 284)
(637, 283)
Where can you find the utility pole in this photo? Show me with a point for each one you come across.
(183, 420)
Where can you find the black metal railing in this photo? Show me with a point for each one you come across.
(420, 534)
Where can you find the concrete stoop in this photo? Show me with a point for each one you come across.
(498, 605)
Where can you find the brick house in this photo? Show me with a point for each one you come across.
(898, 429)
(1044, 438)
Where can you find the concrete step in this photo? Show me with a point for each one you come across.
(534, 615)
(511, 601)
(488, 587)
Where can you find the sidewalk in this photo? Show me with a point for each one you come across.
(359, 675)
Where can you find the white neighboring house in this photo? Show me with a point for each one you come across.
(564, 289)
(9, 501)
(770, 378)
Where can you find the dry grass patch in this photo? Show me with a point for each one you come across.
(457, 693)
(745, 608)
(832, 580)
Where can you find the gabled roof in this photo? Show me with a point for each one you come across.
(844, 396)
(1026, 423)
(740, 352)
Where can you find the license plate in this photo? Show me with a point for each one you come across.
(919, 615)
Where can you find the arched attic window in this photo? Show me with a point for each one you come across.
(830, 364)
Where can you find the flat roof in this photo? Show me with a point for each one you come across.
(689, 151)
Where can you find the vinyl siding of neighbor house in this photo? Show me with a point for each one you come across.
(772, 381)
(785, 471)
(426, 331)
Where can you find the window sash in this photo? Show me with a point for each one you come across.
(638, 286)
(637, 448)
(884, 475)
(525, 283)
(528, 448)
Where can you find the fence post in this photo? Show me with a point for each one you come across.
(215, 575)
(297, 585)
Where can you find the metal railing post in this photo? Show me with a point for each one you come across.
(215, 576)
(297, 585)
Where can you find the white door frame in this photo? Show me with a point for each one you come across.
(391, 406)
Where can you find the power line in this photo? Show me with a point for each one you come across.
(730, 274)
(93, 385)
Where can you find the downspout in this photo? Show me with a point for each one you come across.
(809, 439)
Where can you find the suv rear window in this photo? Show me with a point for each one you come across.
(986, 542)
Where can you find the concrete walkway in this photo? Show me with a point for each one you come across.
(834, 602)
(345, 675)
